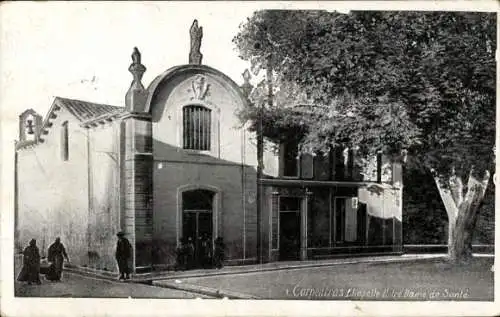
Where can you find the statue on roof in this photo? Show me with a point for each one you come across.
(136, 56)
(136, 68)
(196, 34)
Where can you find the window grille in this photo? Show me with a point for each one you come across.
(197, 128)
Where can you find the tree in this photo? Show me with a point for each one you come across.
(422, 82)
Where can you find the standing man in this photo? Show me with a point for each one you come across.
(56, 255)
(190, 252)
(123, 254)
(206, 245)
(219, 253)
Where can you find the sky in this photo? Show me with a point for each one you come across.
(82, 50)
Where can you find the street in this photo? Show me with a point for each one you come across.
(410, 280)
(424, 280)
(74, 285)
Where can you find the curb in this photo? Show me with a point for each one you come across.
(299, 266)
(89, 272)
(142, 279)
(204, 290)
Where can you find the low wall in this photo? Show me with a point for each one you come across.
(443, 248)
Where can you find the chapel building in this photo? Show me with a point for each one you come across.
(175, 162)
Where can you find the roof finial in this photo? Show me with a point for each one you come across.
(196, 34)
(136, 68)
(136, 95)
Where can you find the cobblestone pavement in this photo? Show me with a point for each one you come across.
(425, 280)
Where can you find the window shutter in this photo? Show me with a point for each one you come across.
(307, 166)
(351, 219)
(322, 167)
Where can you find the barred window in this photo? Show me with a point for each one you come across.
(196, 128)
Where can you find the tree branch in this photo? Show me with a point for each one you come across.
(477, 184)
(448, 201)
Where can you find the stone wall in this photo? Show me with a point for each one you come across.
(104, 210)
(53, 195)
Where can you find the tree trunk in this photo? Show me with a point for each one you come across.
(451, 229)
(462, 213)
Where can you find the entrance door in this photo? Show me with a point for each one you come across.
(197, 226)
(289, 235)
(289, 231)
(197, 221)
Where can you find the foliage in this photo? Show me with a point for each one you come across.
(422, 81)
(424, 216)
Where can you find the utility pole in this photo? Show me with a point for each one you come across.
(260, 154)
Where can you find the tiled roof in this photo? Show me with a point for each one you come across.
(84, 110)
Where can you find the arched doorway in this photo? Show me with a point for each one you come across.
(197, 220)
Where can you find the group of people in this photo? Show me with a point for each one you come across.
(202, 255)
(188, 256)
(31, 269)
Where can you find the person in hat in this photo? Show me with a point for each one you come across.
(190, 250)
(122, 255)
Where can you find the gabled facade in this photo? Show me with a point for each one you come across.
(175, 163)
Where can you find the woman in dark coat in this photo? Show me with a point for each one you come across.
(56, 255)
(31, 264)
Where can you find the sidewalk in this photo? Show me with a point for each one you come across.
(177, 280)
(408, 278)
(243, 269)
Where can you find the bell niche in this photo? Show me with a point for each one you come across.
(30, 125)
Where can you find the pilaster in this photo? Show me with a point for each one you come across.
(136, 171)
(137, 185)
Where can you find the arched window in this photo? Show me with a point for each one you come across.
(197, 130)
(64, 141)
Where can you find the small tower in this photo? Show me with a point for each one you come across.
(196, 34)
(136, 96)
(30, 126)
